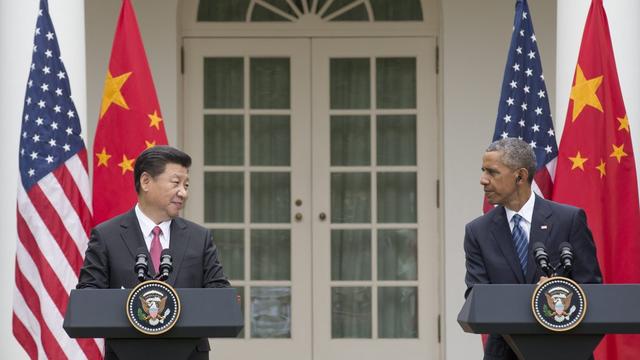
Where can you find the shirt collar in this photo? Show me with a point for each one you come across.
(147, 225)
(526, 211)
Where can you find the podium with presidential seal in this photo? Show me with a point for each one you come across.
(556, 319)
(153, 320)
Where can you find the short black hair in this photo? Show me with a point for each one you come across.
(516, 154)
(154, 160)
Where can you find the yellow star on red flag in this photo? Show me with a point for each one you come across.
(624, 123)
(126, 164)
(103, 157)
(111, 93)
(602, 168)
(155, 119)
(618, 152)
(578, 161)
(583, 93)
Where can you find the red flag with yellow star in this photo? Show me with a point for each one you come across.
(130, 120)
(596, 167)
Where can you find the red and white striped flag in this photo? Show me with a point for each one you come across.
(53, 210)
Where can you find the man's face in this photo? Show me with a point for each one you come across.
(498, 180)
(166, 194)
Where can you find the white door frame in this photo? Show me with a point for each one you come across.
(298, 51)
(428, 223)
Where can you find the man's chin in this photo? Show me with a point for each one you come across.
(491, 200)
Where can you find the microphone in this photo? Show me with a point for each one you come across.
(142, 265)
(542, 258)
(166, 266)
(566, 256)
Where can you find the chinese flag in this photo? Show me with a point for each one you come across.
(130, 120)
(596, 167)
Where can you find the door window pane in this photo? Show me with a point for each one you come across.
(396, 10)
(270, 83)
(222, 10)
(270, 140)
(270, 197)
(350, 254)
(270, 255)
(350, 140)
(261, 13)
(396, 83)
(398, 312)
(230, 245)
(223, 140)
(397, 197)
(351, 312)
(224, 197)
(358, 13)
(396, 139)
(223, 83)
(270, 312)
(350, 197)
(397, 254)
(350, 83)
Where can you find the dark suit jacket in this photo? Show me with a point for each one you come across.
(110, 258)
(491, 255)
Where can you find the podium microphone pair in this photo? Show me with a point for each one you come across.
(544, 264)
(142, 265)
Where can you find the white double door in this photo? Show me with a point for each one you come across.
(315, 162)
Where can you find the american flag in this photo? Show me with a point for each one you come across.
(523, 111)
(53, 210)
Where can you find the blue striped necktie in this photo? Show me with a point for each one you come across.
(520, 241)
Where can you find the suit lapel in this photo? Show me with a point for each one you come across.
(178, 245)
(502, 236)
(540, 230)
(132, 237)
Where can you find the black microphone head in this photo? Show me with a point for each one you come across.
(141, 256)
(141, 251)
(538, 246)
(165, 264)
(541, 257)
(142, 265)
(539, 251)
(565, 246)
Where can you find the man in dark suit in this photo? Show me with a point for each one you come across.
(161, 180)
(498, 244)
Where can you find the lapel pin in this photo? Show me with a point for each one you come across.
(543, 227)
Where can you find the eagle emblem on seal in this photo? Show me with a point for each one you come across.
(152, 309)
(559, 304)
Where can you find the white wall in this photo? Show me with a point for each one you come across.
(17, 25)
(475, 39)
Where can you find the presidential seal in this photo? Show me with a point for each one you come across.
(153, 307)
(559, 304)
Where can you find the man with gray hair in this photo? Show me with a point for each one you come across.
(498, 244)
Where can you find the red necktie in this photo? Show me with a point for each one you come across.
(156, 248)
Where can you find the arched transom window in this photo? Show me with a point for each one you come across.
(308, 10)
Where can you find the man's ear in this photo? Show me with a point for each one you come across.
(145, 179)
(522, 175)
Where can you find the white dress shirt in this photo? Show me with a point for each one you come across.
(526, 212)
(147, 225)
